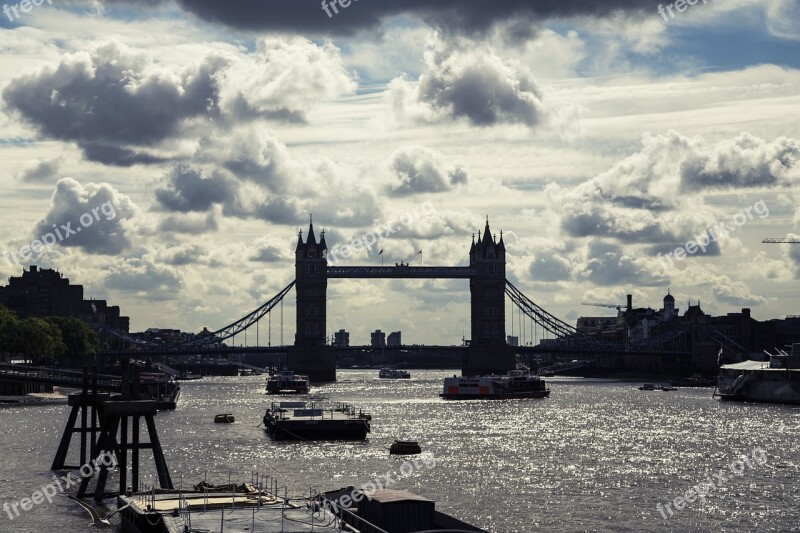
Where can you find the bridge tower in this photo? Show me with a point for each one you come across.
(309, 355)
(488, 351)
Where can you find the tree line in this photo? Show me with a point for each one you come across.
(44, 341)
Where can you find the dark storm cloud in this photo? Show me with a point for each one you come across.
(113, 99)
(468, 16)
(189, 190)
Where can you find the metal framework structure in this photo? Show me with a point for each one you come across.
(401, 272)
(240, 325)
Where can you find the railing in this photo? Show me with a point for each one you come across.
(56, 377)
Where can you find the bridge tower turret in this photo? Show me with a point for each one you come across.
(309, 355)
(488, 351)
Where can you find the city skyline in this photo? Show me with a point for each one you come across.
(612, 139)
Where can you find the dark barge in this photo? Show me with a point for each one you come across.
(307, 421)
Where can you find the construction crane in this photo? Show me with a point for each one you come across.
(610, 306)
(780, 240)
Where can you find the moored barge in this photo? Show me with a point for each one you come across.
(308, 421)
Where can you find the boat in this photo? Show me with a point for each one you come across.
(405, 447)
(661, 386)
(773, 381)
(515, 384)
(226, 418)
(160, 387)
(393, 373)
(309, 421)
(287, 381)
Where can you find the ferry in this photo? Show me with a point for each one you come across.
(308, 421)
(516, 384)
(773, 381)
(393, 373)
(287, 381)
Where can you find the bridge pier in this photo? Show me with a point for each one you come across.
(483, 360)
(316, 362)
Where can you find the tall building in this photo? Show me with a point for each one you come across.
(46, 292)
(378, 339)
(341, 338)
(394, 339)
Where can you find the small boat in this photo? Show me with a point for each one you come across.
(666, 387)
(224, 419)
(516, 384)
(287, 381)
(308, 421)
(393, 373)
(405, 447)
(648, 386)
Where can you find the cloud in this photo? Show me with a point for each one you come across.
(608, 264)
(469, 16)
(735, 293)
(416, 169)
(464, 79)
(40, 170)
(283, 79)
(190, 223)
(96, 213)
(743, 162)
(114, 101)
(124, 106)
(145, 278)
(656, 195)
(188, 190)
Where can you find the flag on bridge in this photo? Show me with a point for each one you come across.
(381, 252)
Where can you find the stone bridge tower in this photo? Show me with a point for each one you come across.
(488, 351)
(309, 355)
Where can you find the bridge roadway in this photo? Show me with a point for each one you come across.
(244, 350)
(54, 376)
(410, 350)
(401, 272)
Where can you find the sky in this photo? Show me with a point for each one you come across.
(169, 152)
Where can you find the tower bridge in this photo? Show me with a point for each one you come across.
(488, 351)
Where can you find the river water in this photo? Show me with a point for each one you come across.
(597, 455)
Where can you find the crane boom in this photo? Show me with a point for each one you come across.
(780, 240)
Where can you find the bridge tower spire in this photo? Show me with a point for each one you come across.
(488, 351)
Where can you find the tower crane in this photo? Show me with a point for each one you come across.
(780, 240)
(610, 306)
